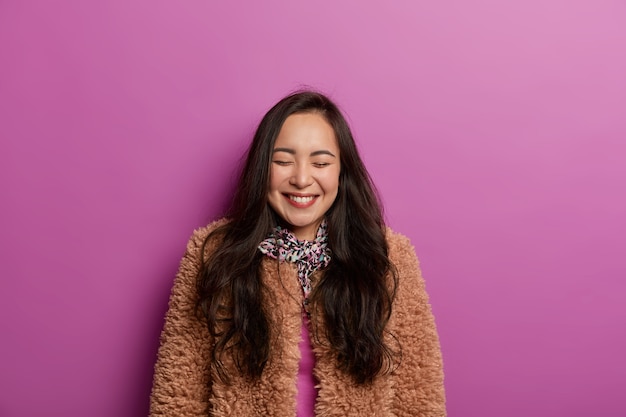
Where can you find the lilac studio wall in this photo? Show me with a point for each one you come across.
(494, 130)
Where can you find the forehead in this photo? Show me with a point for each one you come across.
(306, 131)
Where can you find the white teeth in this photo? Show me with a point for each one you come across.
(301, 200)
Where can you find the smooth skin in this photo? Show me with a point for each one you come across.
(304, 175)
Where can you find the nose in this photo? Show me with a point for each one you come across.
(301, 176)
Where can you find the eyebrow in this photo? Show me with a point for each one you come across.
(293, 152)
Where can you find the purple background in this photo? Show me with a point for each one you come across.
(495, 131)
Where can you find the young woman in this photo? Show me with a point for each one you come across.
(301, 302)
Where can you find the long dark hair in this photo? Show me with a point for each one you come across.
(356, 291)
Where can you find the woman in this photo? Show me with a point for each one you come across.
(301, 302)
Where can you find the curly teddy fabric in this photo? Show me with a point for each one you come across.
(185, 384)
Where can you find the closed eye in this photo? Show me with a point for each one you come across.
(320, 164)
(282, 163)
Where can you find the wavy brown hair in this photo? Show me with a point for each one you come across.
(355, 292)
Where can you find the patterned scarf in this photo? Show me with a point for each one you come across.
(309, 256)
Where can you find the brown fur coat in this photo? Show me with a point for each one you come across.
(184, 387)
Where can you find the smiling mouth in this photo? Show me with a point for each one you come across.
(301, 201)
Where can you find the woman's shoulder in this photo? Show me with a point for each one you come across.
(407, 266)
(200, 234)
(411, 290)
(400, 246)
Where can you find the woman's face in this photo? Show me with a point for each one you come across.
(304, 173)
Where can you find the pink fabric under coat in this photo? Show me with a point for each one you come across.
(307, 393)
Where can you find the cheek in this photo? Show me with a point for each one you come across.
(273, 194)
(330, 182)
(274, 180)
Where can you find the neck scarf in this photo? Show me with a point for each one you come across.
(308, 255)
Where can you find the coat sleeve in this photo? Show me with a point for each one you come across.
(419, 389)
(181, 376)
